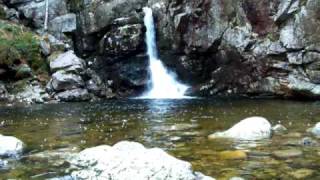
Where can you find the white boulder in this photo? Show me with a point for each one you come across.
(253, 128)
(316, 129)
(131, 160)
(10, 146)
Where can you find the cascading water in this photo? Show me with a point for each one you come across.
(163, 83)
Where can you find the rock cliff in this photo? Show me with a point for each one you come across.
(219, 47)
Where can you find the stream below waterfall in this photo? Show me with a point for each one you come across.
(180, 127)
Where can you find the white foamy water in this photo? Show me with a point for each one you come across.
(163, 83)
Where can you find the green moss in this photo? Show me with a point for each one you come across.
(19, 86)
(8, 54)
(2, 12)
(303, 2)
(75, 5)
(18, 44)
(273, 36)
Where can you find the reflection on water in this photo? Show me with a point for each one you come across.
(180, 127)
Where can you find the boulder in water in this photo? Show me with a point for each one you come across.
(10, 146)
(130, 160)
(316, 130)
(253, 128)
(279, 129)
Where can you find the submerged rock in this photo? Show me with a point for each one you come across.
(233, 155)
(279, 129)
(302, 173)
(308, 141)
(253, 128)
(10, 146)
(236, 178)
(293, 135)
(286, 154)
(130, 160)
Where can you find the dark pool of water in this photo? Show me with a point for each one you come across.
(180, 127)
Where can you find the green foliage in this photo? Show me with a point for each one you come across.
(17, 44)
(273, 36)
(75, 5)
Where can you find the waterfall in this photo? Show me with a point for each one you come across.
(163, 83)
(46, 15)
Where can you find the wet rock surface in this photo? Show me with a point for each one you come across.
(74, 95)
(253, 128)
(316, 130)
(286, 154)
(279, 129)
(130, 160)
(10, 146)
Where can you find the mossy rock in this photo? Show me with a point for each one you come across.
(76, 5)
(18, 45)
(23, 71)
(54, 56)
(2, 12)
(18, 86)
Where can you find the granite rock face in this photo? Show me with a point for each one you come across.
(231, 47)
(67, 61)
(34, 10)
(247, 48)
(73, 80)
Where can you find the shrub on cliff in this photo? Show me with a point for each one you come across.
(19, 46)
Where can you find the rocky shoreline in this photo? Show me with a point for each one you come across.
(95, 49)
(131, 160)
